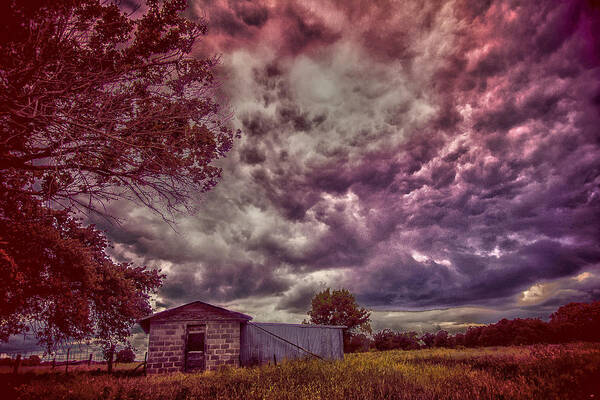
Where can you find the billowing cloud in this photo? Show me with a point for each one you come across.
(438, 159)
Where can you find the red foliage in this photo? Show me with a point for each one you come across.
(577, 321)
(356, 343)
(98, 106)
(95, 106)
(441, 339)
(572, 322)
(388, 340)
(510, 332)
(60, 281)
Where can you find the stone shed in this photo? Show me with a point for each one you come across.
(194, 336)
(199, 336)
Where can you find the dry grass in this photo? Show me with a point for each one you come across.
(47, 369)
(534, 372)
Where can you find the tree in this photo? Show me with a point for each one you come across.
(457, 340)
(577, 321)
(441, 339)
(428, 339)
(95, 106)
(387, 339)
(384, 340)
(407, 340)
(472, 336)
(59, 282)
(98, 106)
(358, 343)
(338, 307)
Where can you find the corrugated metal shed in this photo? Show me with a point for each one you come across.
(263, 342)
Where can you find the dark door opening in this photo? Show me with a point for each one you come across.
(194, 348)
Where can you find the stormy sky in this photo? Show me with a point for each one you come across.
(439, 159)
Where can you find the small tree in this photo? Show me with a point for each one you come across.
(384, 339)
(441, 339)
(358, 342)
(407, 340)
(339, 307)
(428, 339)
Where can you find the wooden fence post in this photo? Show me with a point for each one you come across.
(17, 363)
(67, 364)
(274, 359)
(54, 362)
(90, 359)
(145, 358)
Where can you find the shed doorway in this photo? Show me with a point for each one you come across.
(195, 348)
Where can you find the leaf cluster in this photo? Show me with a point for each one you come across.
(58, 281)
(96, 105)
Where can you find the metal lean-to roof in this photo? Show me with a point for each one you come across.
(299, 325)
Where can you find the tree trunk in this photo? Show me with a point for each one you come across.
(110, 360)
(17, 364)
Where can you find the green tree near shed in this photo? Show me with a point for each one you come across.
(339, 307)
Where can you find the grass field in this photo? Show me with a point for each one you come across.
(533, 372)
(60, 369)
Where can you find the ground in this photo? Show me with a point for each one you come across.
(568, 371)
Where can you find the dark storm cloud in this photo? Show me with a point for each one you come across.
(257, 124)
(225, 21)
(288, 27)
(252, 155)
(236, 19)
(530, 186)
(250, 12)
(298, 300)
(303, 29)
(424, 155)
(289, 114)
(585, 289)
(221, 283)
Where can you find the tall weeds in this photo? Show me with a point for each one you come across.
(532, 372)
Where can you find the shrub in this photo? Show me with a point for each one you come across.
(357, 343)
(33, 360)
(126, 355)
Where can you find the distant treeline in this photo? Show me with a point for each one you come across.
(570, 323)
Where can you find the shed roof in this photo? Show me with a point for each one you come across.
(299, 325)
(215, 311)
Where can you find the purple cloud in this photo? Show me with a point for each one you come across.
(424, 155)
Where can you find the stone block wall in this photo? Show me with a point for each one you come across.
(166, 346)
(222, 344)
